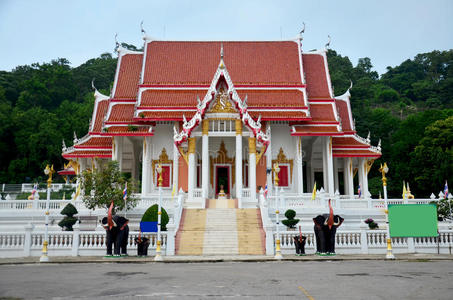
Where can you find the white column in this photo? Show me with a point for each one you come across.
(327, 157)
(117, 153)
(192, 168)
(175, 169)
(362, 176)
(348, 176)
(299, 166)
(239, 162)
(146, 166)
(269, 180)
(205, 160)
(252, 168)
(335, 175)
(365, 177)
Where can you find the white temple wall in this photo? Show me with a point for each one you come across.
(162, 138)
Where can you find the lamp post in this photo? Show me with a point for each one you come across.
(158, 256)
(278, 253)
(384, 170)
(49, 172)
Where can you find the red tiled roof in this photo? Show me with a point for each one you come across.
(279, 115)
(322, 112)
(121, 113)
(354, 153)
(95, 143)
(270, 98)
(315, 130)
(248, 63)
(315, 75)
(86, 153)
(342, 108)
(163, 98)
(255, 98)
(173, 115)
(128, 76)
(347, 142)
(100, 114)
(132, 130)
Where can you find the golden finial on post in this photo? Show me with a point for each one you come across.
(49, 171)
(384, 170)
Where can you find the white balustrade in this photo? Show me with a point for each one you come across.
(61, 243)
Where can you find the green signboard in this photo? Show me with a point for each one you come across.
(413, 220)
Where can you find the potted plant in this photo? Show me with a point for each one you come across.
(68, 221)
(291, 221)
(149, 219)
(371, 223)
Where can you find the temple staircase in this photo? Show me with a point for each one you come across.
(220, 229)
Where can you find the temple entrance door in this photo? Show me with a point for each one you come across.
(222, 177)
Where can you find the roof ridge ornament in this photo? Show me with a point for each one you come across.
(327, 46)
(302, 32)
(141, 28)
(92, 85)
(76, 140)
(64, 146)
(222, 65)
(117, 45)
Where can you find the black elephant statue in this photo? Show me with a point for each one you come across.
(117, 233)
(325, 228)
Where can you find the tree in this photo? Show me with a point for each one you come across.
(105, 184)
(434, 156)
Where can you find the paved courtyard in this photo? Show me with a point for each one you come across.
(250, 280)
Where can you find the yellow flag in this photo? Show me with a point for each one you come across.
(404, 190)
(173, 192)
(313, 195)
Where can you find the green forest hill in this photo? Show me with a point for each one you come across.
(409, 107)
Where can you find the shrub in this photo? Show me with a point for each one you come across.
(371, 223)
(68, 221)
(69, 210)
(290, 222)
(150, 215)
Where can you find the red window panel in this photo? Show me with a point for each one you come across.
(283, 176)
(165, 176)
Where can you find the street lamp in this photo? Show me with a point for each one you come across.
(278, 254)
(384, 170)
(158, 256)
(49, 172)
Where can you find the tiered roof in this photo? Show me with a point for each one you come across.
(163, 83)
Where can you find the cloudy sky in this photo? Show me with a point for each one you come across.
(388, 32)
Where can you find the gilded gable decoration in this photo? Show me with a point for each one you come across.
(222, 104)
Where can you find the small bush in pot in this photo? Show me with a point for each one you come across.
(291, 221)
(69, 220)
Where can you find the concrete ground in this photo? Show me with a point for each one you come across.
(220, 258)
(414, 277)
(410, 276)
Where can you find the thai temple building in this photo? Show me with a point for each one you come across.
(218, 116)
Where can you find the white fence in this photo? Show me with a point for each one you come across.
(67, 243)
(295, 202)
(372, 242)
